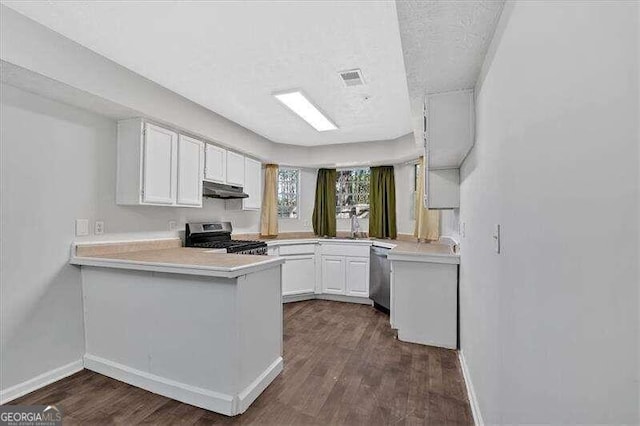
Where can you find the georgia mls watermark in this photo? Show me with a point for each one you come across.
(30, 415)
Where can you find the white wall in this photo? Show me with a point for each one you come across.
(48, 178)
(550, 326)
(58, 164)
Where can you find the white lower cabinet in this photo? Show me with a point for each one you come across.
(333, 274)
(299, 274)
(345, 275)
(424, 302)
(335, 269)
(357, 273)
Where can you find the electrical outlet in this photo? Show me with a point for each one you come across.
(306, 223)
(173, 225)
(82, 227)
(98, 229)
(496, 238)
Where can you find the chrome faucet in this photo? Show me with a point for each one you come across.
(355, 223)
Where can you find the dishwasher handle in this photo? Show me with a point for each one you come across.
(379, 251)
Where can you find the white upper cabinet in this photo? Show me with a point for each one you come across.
(190, 171)
(451, 127)
(157, 167)
(215, 164)
(252, 184)
(235, 169)
(444, 189)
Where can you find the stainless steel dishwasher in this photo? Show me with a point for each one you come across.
(380, 278)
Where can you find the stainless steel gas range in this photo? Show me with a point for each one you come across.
(217, 235)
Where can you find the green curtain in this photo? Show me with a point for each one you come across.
(324, 211)
(382, 203)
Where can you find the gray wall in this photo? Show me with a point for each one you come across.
(550, 325)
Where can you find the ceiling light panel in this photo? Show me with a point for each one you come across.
(297, 102)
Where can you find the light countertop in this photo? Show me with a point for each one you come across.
(191, 261)
(399, 249)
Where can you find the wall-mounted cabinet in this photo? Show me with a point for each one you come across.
(450, 127)
(450, 132)
(216, 164)
(156, 166)
(444, 189)
(190, 169)
(235, 169)
(252, 184)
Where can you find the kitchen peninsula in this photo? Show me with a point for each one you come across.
(191, 324)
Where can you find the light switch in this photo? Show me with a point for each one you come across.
(496, 238)
(82, 227)
(463, 229)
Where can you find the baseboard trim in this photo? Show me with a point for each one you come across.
(473, 400)
(288, 298)
(40, 381)
(422, 340)
(323, 296)
(250, 393)
(347, 299)
(203, 398)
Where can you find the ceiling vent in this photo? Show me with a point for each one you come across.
(352, 78)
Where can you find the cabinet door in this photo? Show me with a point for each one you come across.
(215, 164)
(190, 163)
(299, 274)
(333, 274)
(252, 184)
(235, 169)
(159, 166)
(358, 276)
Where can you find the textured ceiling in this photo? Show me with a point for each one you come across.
(444, 44)
(231, 56)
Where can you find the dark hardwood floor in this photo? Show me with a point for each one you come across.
(342, 365)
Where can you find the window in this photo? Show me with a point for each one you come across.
(352, 192)
(288, 184)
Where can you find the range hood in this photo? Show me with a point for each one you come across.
(218, 190)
